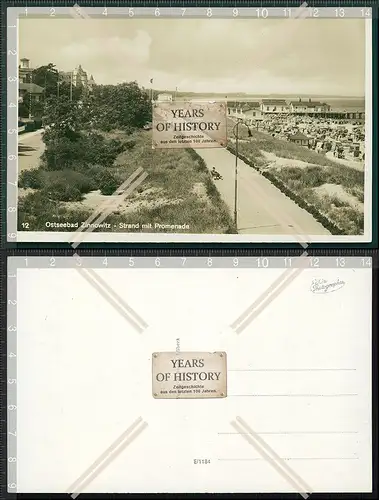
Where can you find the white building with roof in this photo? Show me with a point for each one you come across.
(24, 70)
(164, 97)
(274, 106)
(78, 77)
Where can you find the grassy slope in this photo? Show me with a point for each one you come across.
(302, 181)
(174, 172)
(172, 175)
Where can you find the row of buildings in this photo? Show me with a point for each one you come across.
(309, 123)
(77, 77)
(282, 106)
(258, 110)
(344, 138)
(268, 106)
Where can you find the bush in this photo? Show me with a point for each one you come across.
(313, 176)
(80, 151)
(67, 185)
(61, 191)
(35, 204)
(107, 183)
(100, 151)
(82, 182)
(55, 182)
(95, 172)
(38, 208)
(30, 179)
(62, 154)
(128, 145)
(51, 135)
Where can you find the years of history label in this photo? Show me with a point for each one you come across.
(189, 375)
(189, 124)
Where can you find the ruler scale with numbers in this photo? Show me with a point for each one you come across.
(198, 12)
(184, 262)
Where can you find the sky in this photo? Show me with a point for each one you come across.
(305, 56)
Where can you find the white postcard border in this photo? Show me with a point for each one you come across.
(119, 237)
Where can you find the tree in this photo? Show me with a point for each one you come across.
(63, 119)
(23, 107)
(46, 77)
(54, 84)
(37, 109)
(123, 106)
(30, 106)
(70, 92)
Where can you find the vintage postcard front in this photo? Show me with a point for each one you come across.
(189, 144)
(189, 375)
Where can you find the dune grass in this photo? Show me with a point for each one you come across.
(172, 177)
(261, 141)
(303, 181)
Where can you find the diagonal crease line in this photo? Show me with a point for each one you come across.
(78, 12)
(109, 460)
(118, 192)
(301, 12)
(261, 303)
(263, 443)
(126, 438)
(115, 296)
(74, 13)
(285, 278)
(98, 461)
(108, 210)
(108, 203)
(114, 300)
(114, 205)
(263, 306)
(264, 449)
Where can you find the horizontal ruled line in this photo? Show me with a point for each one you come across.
(288, 458)
(291, 395)
(290, 432)
(294, 370)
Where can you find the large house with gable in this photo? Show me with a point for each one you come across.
(274, 106)
(309, 106)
